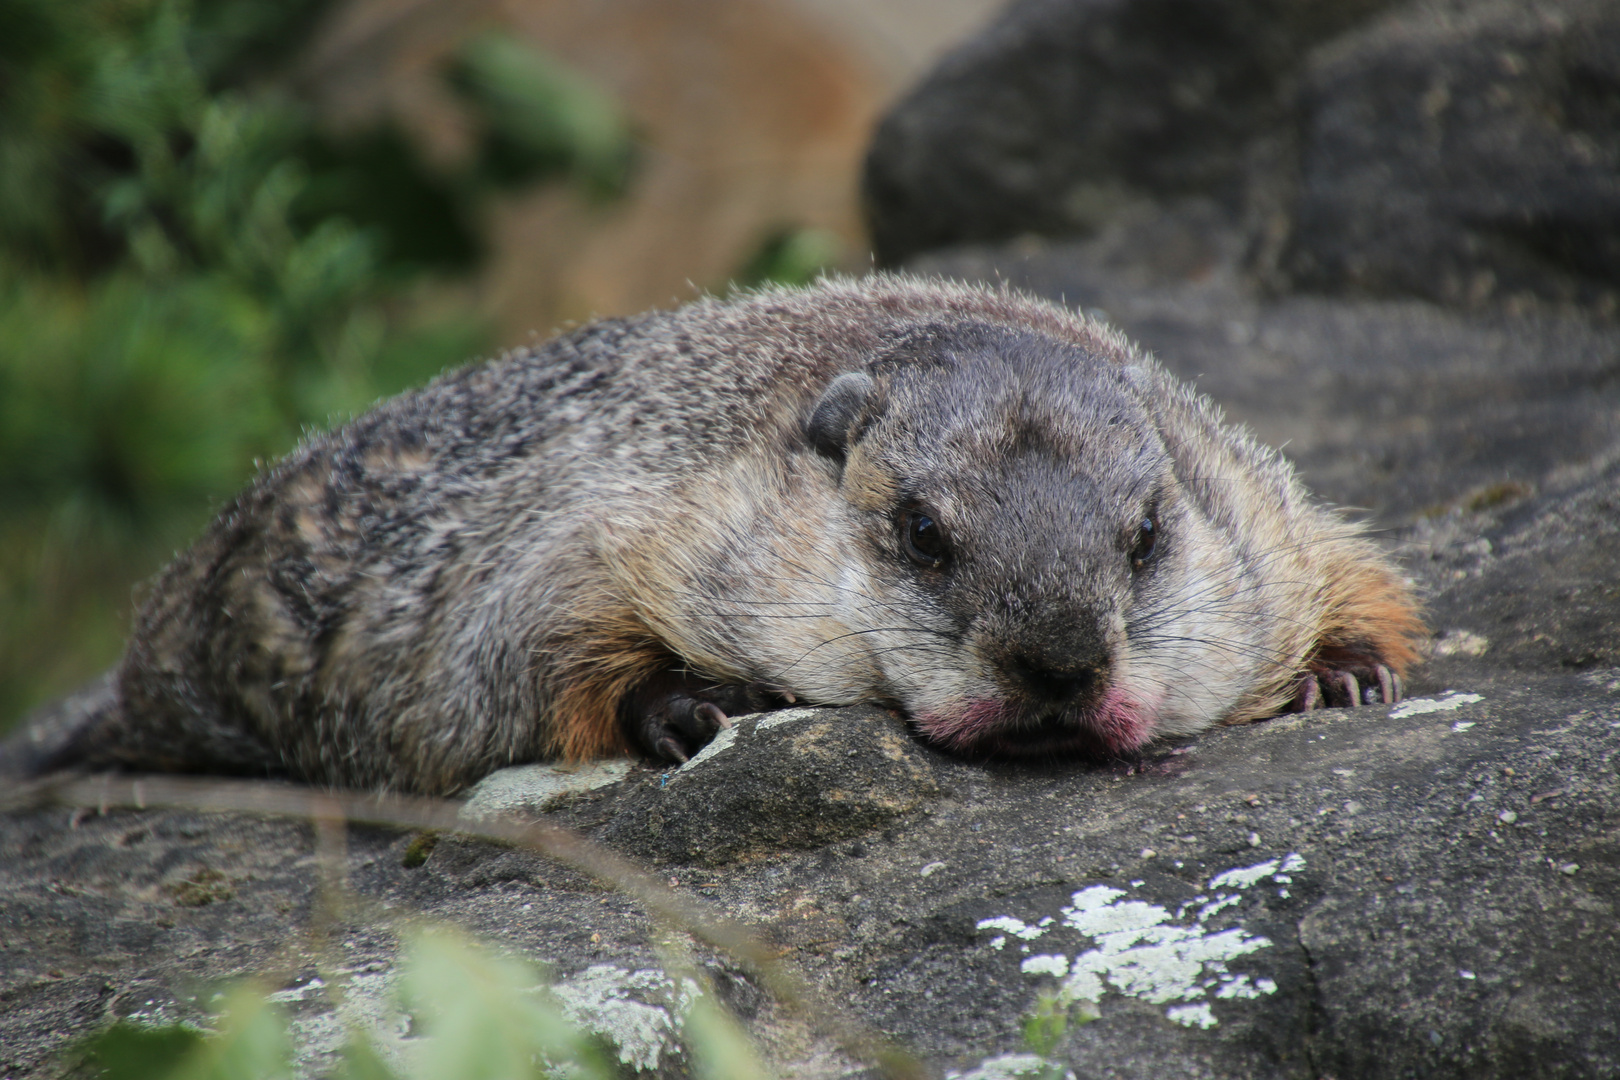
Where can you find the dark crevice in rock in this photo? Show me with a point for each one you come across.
(1316, 1013)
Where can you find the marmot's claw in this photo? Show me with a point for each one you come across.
(1309, 696)
(1332, 689)
(710, 713)
(1386, 684)
(1338, 688)
(675, 714)
(692, 723)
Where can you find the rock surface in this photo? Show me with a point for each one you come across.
(842, 774)
(1464, 151)
(1426, 890)
(1061, 113)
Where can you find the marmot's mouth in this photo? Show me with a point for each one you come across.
(1055, 734)
(1115, 725)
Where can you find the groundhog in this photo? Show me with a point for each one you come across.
(986, 511)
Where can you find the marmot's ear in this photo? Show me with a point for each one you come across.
(832, 424)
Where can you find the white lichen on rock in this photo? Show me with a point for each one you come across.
(1016, 927)
(1192, 1015)
(1009, 1067)
(745, 727)
(785, 716)
(297, 993)
(538, 788)
(717, 746)
(640, 1012)
(1244, 876)
(1056, 966)
(1141, 950)
(1444, 703)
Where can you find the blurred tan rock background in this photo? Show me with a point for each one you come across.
(753, 116)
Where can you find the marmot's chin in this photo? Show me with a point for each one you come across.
(1115, 725)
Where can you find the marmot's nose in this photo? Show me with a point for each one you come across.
(1056, 681)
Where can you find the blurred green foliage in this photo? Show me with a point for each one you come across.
(251, 1043)
(193, 272)
(1045, 1028)
(472, 1016)
(541, 119)
(790, 256)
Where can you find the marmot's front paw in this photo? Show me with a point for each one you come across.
(1346, 687)
(680, 728)
(675, 714)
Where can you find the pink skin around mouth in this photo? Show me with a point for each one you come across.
(1117, 724)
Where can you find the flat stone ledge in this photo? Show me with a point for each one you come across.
(539, 789)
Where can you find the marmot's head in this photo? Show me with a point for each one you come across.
(1035, 567)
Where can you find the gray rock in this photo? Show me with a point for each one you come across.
(1061, 113)
(795, 779)
(1383, 882)
(1465, 152)
(1426, 890)
(1529, 581)
(538, 789)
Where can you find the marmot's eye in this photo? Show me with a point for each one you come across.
(923, 540)
(1147, 535)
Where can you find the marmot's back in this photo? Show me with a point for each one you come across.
(981, 508)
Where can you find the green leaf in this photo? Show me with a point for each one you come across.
(720, 1048)
(252, 1042)
(486, 1018)
(1045, 1027)
(129, 1051)
(360, 1061)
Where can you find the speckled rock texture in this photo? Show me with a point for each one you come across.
(1423, 891)
(1464, 152)
(851, 771)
